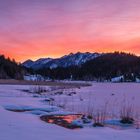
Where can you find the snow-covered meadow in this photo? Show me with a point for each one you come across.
(28, 125)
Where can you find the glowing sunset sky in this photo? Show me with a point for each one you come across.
(30, 29)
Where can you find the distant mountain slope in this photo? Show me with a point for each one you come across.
(65, 61)
(103, 67)
(112, 64)
(28, 63)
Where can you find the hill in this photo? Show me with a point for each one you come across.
(9, 69)
(103, 67)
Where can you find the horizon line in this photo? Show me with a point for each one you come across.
(43, 57)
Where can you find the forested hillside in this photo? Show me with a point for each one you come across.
(101, 68)
(9, 69)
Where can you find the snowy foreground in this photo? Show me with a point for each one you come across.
(28, 126)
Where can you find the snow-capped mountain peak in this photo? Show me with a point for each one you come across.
(76, 59)
(28, 63)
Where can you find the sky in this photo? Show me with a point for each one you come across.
(32, 29)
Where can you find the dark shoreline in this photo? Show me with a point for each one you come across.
(43, 83)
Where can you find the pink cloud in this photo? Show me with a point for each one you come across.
(31, 29)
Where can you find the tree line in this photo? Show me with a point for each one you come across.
(10, 69)
(101, 68)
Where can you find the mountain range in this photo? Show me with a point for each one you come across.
(76, 59)
(78, 66)
(88, 66)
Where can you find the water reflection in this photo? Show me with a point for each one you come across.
(62, 120)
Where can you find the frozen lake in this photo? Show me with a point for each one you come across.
(27, 125)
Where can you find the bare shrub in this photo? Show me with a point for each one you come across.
(99, 115)
(38, 89)
(50, 101)
(90, 109)
(137, 120)
(127, 112)
(61, 102)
